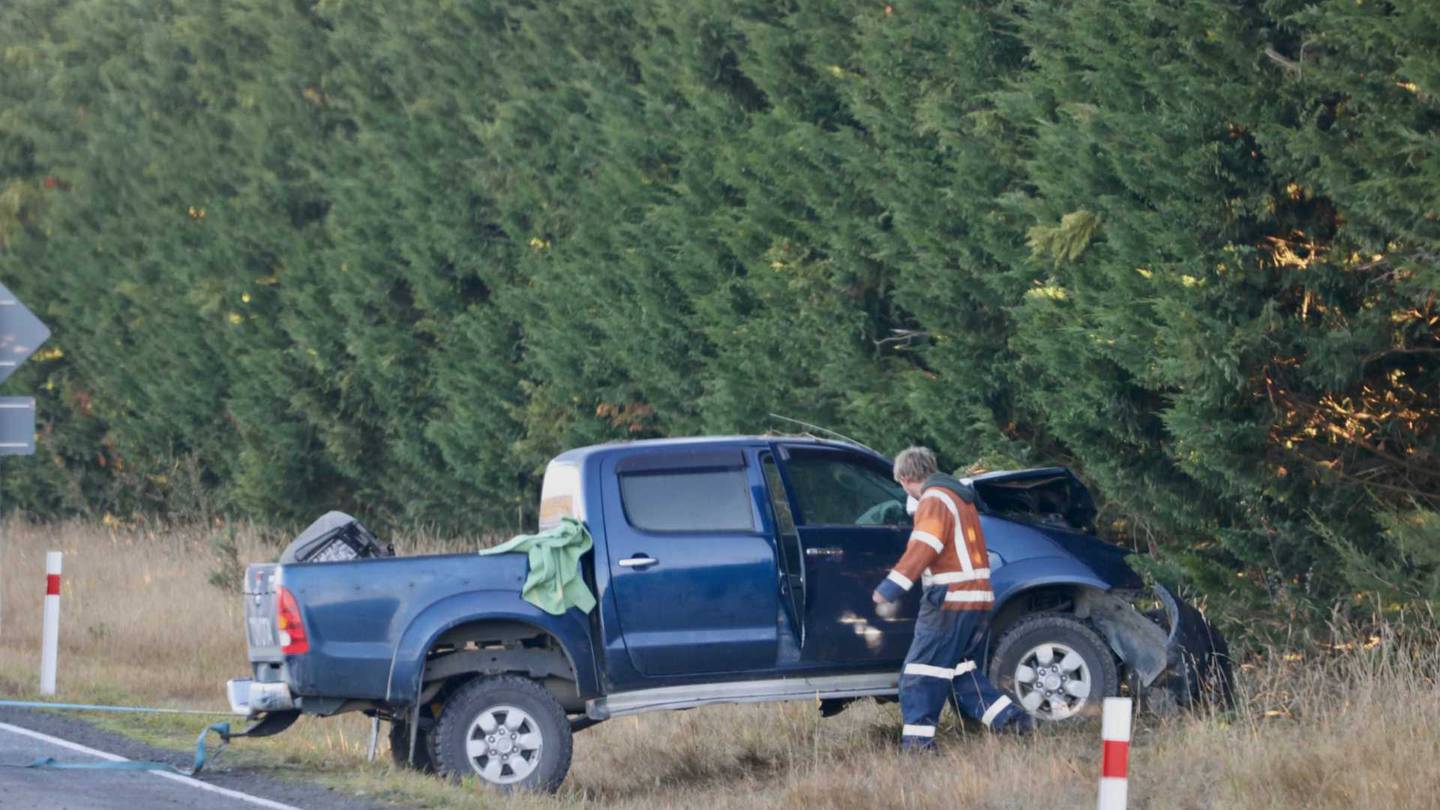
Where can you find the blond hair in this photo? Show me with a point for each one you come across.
(915, 464)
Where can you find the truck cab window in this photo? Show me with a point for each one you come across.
(688, 501)
(832, 489)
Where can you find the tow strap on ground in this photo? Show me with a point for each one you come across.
(203, 755)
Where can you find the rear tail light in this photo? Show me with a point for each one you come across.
(291, 626)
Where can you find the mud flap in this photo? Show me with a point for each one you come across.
(271, 724)
(1139, 642)
(1168, 670)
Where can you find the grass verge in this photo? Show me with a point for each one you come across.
(144, 622)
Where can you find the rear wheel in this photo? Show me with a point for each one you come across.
(507, 730)
(1056, 666)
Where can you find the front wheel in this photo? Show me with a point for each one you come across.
(1055, 665)
(507, 730)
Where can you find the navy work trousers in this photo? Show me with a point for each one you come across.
(940, 667)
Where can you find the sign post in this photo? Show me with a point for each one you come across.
(21, 334)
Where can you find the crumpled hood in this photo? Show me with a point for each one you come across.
(1045, 495)
(1054, 503)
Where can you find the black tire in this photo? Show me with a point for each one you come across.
(544, 716)
(1023, 637)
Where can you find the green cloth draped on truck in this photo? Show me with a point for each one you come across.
(554, 583)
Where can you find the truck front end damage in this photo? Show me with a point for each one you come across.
(1173, 657)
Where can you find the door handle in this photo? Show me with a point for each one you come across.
(829, 551)
(638, 561)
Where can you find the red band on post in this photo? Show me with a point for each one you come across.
(52, 584)
(1117, 759)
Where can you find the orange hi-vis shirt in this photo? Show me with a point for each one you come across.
(946, 547)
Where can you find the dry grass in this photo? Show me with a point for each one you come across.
(142, 624)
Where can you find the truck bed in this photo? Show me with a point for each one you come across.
(357, 612)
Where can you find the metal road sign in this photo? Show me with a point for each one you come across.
(17, 426)
(21, 333)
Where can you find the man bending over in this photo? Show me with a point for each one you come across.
(947, 555)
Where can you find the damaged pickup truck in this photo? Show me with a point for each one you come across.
(727, 570)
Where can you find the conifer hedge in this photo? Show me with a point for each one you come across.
(301, 255)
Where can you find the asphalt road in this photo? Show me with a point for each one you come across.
(28, 736)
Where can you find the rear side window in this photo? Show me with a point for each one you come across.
(688, 501)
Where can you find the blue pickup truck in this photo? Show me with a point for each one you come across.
(727, 570)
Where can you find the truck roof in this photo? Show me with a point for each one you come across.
(580, 454)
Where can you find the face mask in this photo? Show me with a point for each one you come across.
(911, 504)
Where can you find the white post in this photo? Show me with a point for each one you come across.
(1115, 760)
(50, 632)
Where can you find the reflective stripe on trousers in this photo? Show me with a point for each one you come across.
(941, 667)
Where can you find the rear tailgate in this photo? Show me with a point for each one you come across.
(261, 635)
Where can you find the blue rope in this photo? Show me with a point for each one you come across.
(87, 707)
(202, 755)
(95, 708)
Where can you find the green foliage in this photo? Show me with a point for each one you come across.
(304, 256)
(1403, 567)
(1066, 241)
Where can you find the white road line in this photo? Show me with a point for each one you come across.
(184, 780)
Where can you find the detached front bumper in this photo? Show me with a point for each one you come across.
(249, 698)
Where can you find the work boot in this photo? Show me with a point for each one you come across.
(918, 745)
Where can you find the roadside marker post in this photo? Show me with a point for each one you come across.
(1115, 761)
(50, 638)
